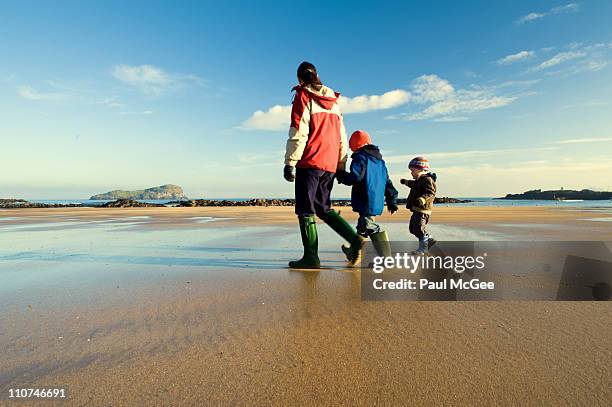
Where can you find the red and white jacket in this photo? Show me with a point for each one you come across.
(317, 137)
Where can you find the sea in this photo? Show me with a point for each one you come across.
(479, 201)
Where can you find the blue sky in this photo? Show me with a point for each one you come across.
(501, 96)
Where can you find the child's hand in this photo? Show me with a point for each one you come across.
(404, 181)
(341, 176)
(392, 208)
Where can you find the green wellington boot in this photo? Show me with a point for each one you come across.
(380, 241)
(341, 227)
(310, 241)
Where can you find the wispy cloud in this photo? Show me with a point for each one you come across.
(590, 103)
(519, 56)
(559, 58)
(568, 8)
(451, 119)
(28, 92)
(446, 104)
(431, 88)
(577, 58)
(468, 154)
(276, 118)
(365, 103)
(450, 103)
(584, 140)
(138, 113)
(153, 80)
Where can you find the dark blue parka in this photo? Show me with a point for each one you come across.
(370, 181)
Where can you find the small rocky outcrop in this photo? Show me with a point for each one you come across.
(561, 194)
(129, 203)
(22, 203)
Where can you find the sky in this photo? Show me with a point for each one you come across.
(502, 97)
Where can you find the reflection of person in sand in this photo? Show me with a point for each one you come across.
(317, 147)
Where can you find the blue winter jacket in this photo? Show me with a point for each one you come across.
(370, 181)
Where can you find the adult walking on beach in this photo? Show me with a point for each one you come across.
(316, 149)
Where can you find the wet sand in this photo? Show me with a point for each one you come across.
(166, 306)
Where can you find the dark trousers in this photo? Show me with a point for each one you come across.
(312, 191)
(418, 224)
(367, 226)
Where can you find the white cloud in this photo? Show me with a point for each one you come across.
(140, 113)
(519, 56)
(446, 104)
(28, 92)
(568, 8)
(530, 17)
(449, 102)
(584, 140)
(451, 119)
(577, 58)
(365, 103)
(431, 88)
(153, 80)
(559, 58)
(454, 156)
(276, 118)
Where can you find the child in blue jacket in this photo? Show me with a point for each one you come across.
(371, 189)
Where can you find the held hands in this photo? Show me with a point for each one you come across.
(408, 182)
(341, 176)
(289, 173)
(392, 208)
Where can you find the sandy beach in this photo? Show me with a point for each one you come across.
(195, 306)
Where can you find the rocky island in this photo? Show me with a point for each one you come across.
(561, 195)
(168, 191)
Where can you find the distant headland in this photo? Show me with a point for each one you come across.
(561, 195)
(168, 191)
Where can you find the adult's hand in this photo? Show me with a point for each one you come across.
(288, 173)
(392, 208)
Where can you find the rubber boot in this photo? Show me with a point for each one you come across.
(422, 250)
(341, 227)
(430, 242)
(381, 244)
(310, 241)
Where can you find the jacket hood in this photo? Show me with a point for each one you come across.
(325, 96)
(370, 149)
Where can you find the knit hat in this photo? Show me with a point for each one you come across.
(359, 139)
(420, 163)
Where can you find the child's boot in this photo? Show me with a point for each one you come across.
(430, 242)
(341, 227)
(380, 241)
(422, 250)
(310, 241)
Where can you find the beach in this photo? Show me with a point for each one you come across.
(195, 306)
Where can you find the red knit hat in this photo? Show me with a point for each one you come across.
(420, 163)
(359, 139)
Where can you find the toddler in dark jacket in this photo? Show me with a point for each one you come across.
(420, 201)
(371, 189)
